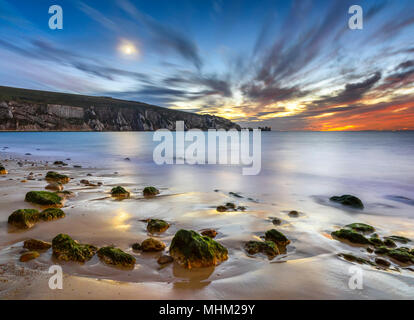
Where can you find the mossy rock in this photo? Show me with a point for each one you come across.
(190, 250)
(401, 255)
(165, 259)
(115, 256)
(277, 237)
(67, 249)
(157, 225)
(230, 206)
(221, 209)
(119, 192)
(376, 242)
(352, 258)
(3, 169)
(293, 214)
(44, 198)
(57, 177)
(361, 227)
(152, 245)
(150, 191)
(348, 200)
(389, 243)
(399, 239)
(351, 236)
(269, 248)
(30, 255)
(33, 244)
(136, 246)
(51, 214)
(24, 218)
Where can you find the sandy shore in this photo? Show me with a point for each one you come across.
(311, 268)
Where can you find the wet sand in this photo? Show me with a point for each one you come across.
(310, 269)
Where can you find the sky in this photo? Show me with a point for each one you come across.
(290, 65)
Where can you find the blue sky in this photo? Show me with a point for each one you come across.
(293, 65)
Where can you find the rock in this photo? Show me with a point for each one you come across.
(234, 194)
(44, 198)
(57, 177)
(3, 170)
(54, 186)
(241, 208)
(33, 244)
(361, 227)
(348, 200)
(127, 159)
(382, 262)
(117, 257)
(164, 259)
(229, 206)
(211, 233)
(157, 225)
(150, 191)
(293, 214)
(352, 258)
(401, 256)
(276, 221)
(269, 248)
(24, 218)
(136, 246)
(370, 250)
(351, 236)
(119, 192)
(191, 250)
(84, 181)
(65, 248)
(389, 243)
(152, 245)
(30, 255)
(65, 194)
(221, 209)
(51, 214)
(398, 239)
(277, 237)
(382, 250)
(60, 163)
(376, 242)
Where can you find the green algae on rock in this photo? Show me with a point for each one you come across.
(67, 249)
(57, 177)
(277, 237)
(376, 242)
(361, 227)
(51, 214)
(136, 246)
(389, 243)
(34, 244)
(398, 239)
(115, 256)
(191, 250)
(348, 200)
(350, 257)
(351, 236)
(401, 255)
(157, 225)
(30, 255)
(150, 191)
(24, 218)
(119, 192)
(269, 248)
(45, 198)
(152, 245)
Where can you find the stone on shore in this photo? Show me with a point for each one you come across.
(51, 214)
(34, 244)
(30, 255)
(57, 177)
(45, 198)
(157, 225)
(165, 259)
(150, 191)
(152, 245)
(399, 239)
(24, 218)
(351, 236)
(361, 227)
(54, 186)
(348, 200)
(115, 256)
(119, 192)
(3, 170)
(269, 248)
(192, 250)
(211, 233)
(277, 237)
(67, 249)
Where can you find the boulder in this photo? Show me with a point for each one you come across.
(293, 214)
(24, 218)
(401, 255)
(399, 239)
(54, 186)
(352, 258)
(119, 192)
(389, 243)
(51, 214)
(30, 255)
(361, 227)
(45, 198)
(165, 259)
(348, 200)
(150, 191)
(191, 250)
(67, 249)
(152, 245)
(157, 225)
(351, 236)
(115, 256)
(57, 177)
(269, 248)
(33, 244)
(211, 233)
(277, 237)
(2, 169)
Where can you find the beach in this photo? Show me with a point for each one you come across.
(300, 171)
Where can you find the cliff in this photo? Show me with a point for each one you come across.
(33, 110)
